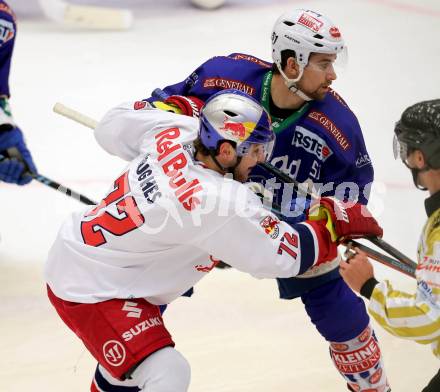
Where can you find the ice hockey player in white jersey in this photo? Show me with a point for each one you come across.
(167, 220)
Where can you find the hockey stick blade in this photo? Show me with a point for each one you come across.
(87, 17)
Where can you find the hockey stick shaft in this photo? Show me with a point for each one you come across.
(63, 189)
(383, 259)
(380, 243)
(13, 153)
(75, 115)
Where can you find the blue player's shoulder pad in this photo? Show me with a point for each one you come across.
(6, 12)
(251, 59)
(239, 58)
(235, 62)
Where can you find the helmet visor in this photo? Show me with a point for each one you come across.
(401, 150)
(329, 62)
(262, 150)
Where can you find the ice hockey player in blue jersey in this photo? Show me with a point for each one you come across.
(319, 141)
(15, 159)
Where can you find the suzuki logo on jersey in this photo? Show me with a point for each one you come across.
(132, 310)
(143, 326)
(311, 143)
(114, 352)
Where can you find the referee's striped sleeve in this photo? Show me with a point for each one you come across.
(404, 315)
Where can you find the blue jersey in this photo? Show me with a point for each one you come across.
(321, 143)
(7, 39)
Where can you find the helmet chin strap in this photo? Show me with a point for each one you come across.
(291, 84)
(415, 175)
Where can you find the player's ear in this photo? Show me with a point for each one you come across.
(419, 159)
(226, 153)
(292, 68)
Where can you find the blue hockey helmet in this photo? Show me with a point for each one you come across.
(235, 116)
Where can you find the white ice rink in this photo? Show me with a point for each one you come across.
(236, 333)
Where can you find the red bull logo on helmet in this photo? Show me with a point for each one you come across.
(241, 131)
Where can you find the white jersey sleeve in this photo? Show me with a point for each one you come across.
(124, 130)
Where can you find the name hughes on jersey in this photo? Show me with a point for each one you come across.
(148, 184)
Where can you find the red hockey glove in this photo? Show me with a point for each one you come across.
(345, 221)
(189, 106)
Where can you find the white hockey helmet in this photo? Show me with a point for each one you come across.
(305, 32)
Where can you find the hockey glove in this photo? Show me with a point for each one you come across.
(17, 165)
(345, 222)
(188, 106)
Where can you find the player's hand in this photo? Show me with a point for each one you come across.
(356, 270)
(18, 164)
(345, 221)
(179, 104)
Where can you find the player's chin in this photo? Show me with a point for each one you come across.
(243, 175)
(320, 94)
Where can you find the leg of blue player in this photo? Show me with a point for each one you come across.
(342, 319)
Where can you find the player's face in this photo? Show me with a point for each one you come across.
(318, 75)
(255, 155)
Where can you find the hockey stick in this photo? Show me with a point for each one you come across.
(13, 153)
(86, 16)
(383, 259)
(380, 243)
(75, 116)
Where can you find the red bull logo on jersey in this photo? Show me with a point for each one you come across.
(270, 226)
(174, 162)
(241, 131)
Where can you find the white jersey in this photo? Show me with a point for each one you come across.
(168, 220)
